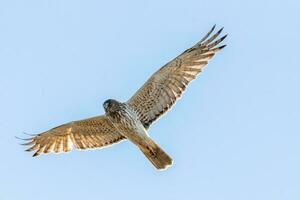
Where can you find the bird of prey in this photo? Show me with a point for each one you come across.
(131, 120)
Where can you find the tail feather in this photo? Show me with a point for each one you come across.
(160, 159)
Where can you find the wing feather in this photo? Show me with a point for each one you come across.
(90, 133)
(167, 85)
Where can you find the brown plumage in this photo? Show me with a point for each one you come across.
(92, 133)
(166, 85)
(130, 120)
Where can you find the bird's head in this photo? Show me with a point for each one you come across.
(111, 105)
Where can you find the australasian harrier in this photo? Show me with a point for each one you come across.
(132, 119)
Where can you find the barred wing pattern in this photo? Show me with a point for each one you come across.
(165, 86)
(90, 133)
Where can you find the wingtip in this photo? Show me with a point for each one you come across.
(36, 154)
(221, 29)
(24, 139)
(222, 47)
(28, 134)
(223, 38)
(207, 34)
(27, 143)
(214, 26)
(219, 32)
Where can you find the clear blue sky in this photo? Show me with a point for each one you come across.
(234, 135)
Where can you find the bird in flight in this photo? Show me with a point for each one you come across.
(132, 119)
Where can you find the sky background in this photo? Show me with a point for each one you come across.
(234, 135)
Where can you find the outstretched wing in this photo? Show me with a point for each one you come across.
(166, 85)
(90, 133)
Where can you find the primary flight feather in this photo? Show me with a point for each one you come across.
(132, 119)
